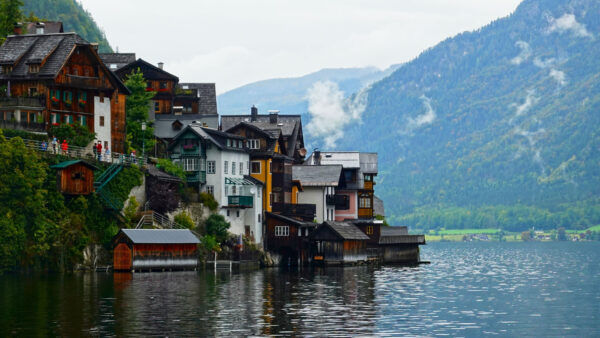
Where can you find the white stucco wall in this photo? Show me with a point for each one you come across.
(316, 196)
(102, 132)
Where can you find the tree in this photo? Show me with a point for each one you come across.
(75, 134)
(185, 220)
(137, 106)
(562, 234)
(10, 14)
(217, 226)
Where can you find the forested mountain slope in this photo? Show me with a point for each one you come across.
(498, 127)
(73, 16)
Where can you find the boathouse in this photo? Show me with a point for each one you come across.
(75, 177)
(397, 246)
(339, 243)
(155, 249)
(287, 238)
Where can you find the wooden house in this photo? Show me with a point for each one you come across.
(288, 239)
(397, 246)
(336, 243)
(75, 177)
(59, 78)
(155, 249)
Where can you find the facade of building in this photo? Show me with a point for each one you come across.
(59, 78)
(75, 177)
(337, 243)
(319, 184)
(217, 163)
(288, 238)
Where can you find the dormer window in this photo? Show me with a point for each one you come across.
(7, 69)
(34, 68)
(253, 144)
(113, 66)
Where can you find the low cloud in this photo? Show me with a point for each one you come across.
(538, 62)
(523, 108)
(568, 24)
(523, 55)
(532, 138)
(426, 118)
(330, 112)
(558, 76)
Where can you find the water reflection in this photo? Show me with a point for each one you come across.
(470, 289)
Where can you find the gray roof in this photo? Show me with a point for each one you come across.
(161, 236)
(317, 175)
(393, 230)
(346, 230)
(286, 123)
(217, 137)
(22, 50)
(49, 27)
(402, 239)
(163, 125)
(207, 96)
(119, 59)
(378, 208)
(151, 72)
(368, 163)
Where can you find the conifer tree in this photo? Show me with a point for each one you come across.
(137, 107)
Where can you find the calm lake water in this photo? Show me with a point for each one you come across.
(470, 289)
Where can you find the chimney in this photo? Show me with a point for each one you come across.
(161, 65)
(253, 113)
(273, 114)
(316, 157)
(18, 30)
(39, 28)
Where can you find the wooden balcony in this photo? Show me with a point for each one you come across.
(37, 102)
(87, 82)
(196, 177)
(240, 201)
(307, 212)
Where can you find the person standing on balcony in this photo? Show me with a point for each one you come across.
(99, 150)
(65, 148)
(54, 143)
(107, 157)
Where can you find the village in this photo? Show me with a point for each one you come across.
(300, 208)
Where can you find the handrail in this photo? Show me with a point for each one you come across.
(160, 221)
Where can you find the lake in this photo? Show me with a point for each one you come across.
(469, 289)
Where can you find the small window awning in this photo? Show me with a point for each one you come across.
(238, 181)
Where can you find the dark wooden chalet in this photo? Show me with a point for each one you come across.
(155, 249)
(59, 78)
(287, 239)
(397, 246)
(339, 243)
(158, 81)
(75, 177)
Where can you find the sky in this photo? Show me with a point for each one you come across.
(235, 42)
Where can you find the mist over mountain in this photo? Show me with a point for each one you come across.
(493, 128)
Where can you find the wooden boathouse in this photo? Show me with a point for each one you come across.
(339, 243)
(75, 177)
(155, 249)
(397, 246)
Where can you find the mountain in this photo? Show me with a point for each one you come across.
(498, 127)
(289, 94)
(73, 16)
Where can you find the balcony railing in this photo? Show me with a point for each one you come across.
(307, 212)
(240, 201)
(84, 81)
(28, 126)
(196, 177)
(35, 101)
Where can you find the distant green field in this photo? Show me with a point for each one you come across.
(594, 228)
(466, 231)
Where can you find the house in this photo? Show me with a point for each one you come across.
(339, 243)
(318, 187)
(397, 246)
(115, 61)
(59, 78)
(158, 81)
(290, 127)
(354, 199)
(218, 163)
(154, 249)
(287, 238)
(75, 177)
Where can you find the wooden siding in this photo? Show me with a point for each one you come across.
(164, 256)
(122, 259)
(118, 127)
(76, 179)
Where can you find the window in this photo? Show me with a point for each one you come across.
(233, 190)
(237, 213)
(32, 91)
(241, 168)
(348, 176)
(364, 202)
(156, 107)
(163, 85)
(233, 168)
(105, 145)
(102, 97)
(54, 118)
(225, 167)
(227, 213)
(67, 97)
(226, 190)
(270, 167)
(101, 121)
(282, 230)
(258, 218)
(35, 68)
(253, 144)
(228, 142)
(255, 167)
(368, 178)
(190, 164)
(68, 119)
(210, 167)
(210, 190)
(248, 165)
(369, 229)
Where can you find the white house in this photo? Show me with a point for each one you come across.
(319, 184)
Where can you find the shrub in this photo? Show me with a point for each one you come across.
(217, 226)
(75, 134)
(185, 220)
(209, 201)
(169, 167)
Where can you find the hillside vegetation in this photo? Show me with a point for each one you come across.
(496, 127)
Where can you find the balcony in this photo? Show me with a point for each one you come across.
(23, 102)
(341, 202)
(307, 212)
(189, 149)
(23, 125)
(240, 201)
(83, 81)
(196, 177)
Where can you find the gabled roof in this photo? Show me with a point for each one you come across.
(163, 123)
(218, 138)
(287, 123)
(150, 71)
(49, 27)
(117, 59)
(292, 221)
(345, 231)
(207, 96)
(272, 137)
(317, 175)
(394, 230)
(66, 164)
(161, 236)
(161, 175)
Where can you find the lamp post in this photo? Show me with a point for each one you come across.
(143, 139)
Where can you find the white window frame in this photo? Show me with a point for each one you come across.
(211, 167)
(282, 230)
(190, 164)
(225, 167)
(232, 168)
(253, 143)
(210, 189)
(241, 168)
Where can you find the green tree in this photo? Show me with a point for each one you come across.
(217, 226)
(75, 134)
(562, 234)
(10, 14)
(137, 106)
(131, 210)
(185, 220)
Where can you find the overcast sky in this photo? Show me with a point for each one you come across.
(235, 42)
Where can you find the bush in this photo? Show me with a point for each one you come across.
(131, 210)
(185, 220)
(24, 135)
(209, 201)
(170, 168)
(217, 226)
